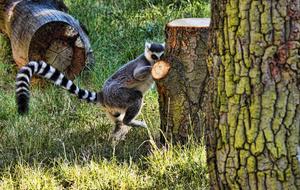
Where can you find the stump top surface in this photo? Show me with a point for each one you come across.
(190, 22)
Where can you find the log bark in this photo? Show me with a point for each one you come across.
(40, 30)
(180, 92)
(253, 112)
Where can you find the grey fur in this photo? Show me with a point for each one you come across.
(123, 92)
(121, 96)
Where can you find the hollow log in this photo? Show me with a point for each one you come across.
(181, 87)
(41, 30)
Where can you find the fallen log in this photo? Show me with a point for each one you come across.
(41, 30)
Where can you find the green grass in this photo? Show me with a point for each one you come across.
(177, 168)
(64, 143)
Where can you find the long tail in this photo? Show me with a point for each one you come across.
(46, 71)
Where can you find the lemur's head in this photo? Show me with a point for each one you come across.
(154, 51)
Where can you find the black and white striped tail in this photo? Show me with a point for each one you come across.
(46, 71)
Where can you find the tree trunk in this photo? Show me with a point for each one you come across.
(39, 30)
(253, 112)
(181, 90)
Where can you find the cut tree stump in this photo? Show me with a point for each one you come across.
(40, 30)
(181, 78)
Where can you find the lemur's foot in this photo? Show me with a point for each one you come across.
(120, 133)
(137, 123)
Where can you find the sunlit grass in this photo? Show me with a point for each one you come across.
(177, 168)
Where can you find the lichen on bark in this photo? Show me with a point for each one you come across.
(253, 114)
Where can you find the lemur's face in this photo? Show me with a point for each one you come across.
(154, 51)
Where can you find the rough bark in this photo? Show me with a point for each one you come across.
(180, 92)
(40, 30)
(253, 115)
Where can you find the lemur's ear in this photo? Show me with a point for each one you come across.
(164, 44)
(147, 45)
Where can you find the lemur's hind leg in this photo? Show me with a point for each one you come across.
(124, 121)
(120, 131)
(131, 112)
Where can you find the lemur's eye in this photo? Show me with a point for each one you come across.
(153, 56)
(162, 55)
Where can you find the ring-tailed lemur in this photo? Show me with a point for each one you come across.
(122, 93)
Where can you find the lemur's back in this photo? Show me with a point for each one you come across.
(116, 88)
(125, 73)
